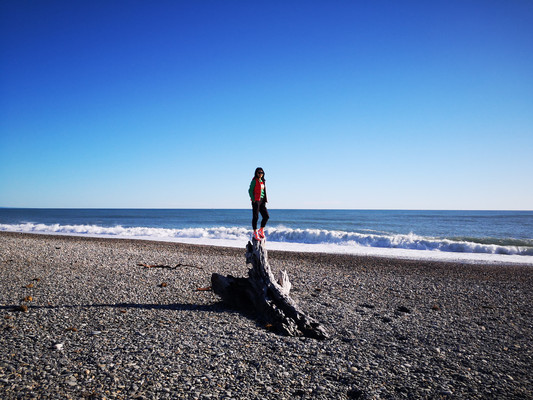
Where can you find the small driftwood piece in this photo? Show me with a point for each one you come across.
(267, 297)
(167, 266)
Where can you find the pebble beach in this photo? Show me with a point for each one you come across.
(87, 318)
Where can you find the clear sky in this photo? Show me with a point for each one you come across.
(345, 104)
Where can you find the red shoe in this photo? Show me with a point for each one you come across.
(256, 236)
(261, 233)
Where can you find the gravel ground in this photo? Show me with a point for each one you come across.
(98, 325)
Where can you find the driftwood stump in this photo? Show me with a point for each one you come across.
(269, 299)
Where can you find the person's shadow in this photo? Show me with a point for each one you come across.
(214, 307)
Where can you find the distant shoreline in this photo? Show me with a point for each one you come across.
(274, 208)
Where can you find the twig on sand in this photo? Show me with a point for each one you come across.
(167, 266)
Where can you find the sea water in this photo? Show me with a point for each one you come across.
(464, 236)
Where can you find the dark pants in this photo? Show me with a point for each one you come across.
(259, 207)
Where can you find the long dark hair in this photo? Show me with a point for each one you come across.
(259, 169)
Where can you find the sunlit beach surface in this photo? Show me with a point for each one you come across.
(84, 318)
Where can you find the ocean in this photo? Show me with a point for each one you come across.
(463, 236)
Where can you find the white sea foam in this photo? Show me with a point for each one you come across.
(396, 241)
(307, 240)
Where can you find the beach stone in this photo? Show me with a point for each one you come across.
(355, 394)
(404, 309)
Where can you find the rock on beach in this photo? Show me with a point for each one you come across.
(83, 318)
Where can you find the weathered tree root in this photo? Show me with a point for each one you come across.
(269, 299)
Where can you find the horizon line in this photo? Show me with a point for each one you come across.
(273, 208)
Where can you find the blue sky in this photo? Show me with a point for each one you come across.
(345, 104)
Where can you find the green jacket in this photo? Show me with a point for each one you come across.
(257, 190)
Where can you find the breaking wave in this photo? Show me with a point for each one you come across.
(287, 235)
(410, 241)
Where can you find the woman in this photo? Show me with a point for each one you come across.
(258, 196)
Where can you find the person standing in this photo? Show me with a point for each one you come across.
(258, 196)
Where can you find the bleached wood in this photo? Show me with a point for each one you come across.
(283, 281)
(268, 298)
